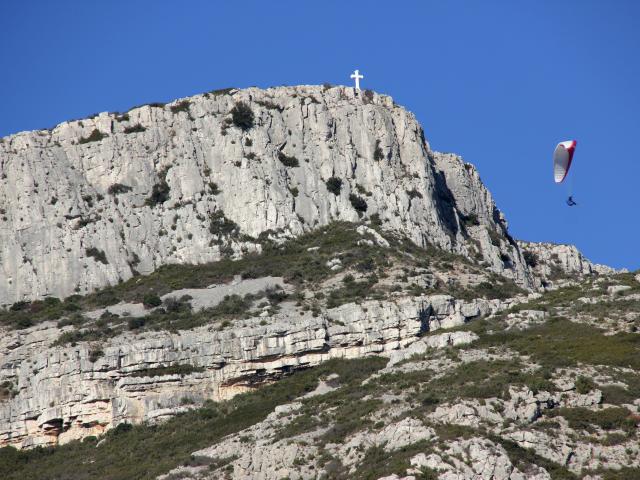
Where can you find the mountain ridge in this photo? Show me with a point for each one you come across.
(95, 201)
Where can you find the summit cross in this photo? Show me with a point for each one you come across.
(356, 76)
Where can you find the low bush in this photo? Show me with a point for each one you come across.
(118, 188)
(561, 343)
(151, 300)
(135, 323)
(7, 390)
(220, 225)
(95, 136)
(288, 161)
(584, 385)
(377, 152)
(97, 255)
(182, 106)
(580, 418)
(414, 194)
(137, 128)
(334, 185)
(530, 258)
(95, 354)
(242, 116)
(358, 203)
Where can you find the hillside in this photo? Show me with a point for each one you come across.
(289, 283)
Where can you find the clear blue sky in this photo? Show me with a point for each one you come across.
(498, 82)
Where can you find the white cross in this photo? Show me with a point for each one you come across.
(356, 76)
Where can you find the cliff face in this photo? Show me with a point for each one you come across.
(67, 393)
(90, 202)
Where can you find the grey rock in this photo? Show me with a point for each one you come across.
(566, 259)
(63, 395)
(58, 198)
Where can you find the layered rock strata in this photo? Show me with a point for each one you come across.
(64, 393)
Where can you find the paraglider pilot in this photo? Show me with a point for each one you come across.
(570, 201)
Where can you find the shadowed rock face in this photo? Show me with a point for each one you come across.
(92, 201)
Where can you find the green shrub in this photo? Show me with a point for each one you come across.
(288, 161)
(95, 136)
(97, 255)
(523, 458)
(151, 300)
(352, 291)
(561, 343)
(470, 220)
(135, 323)
(88, 335)
(95, 354)
(231, 305)
(414, 194)
(214, 189)
(118, 188)
(172, 304)
(334, 185)
(18, 306)
(182, 106)
(242, 116)
(137, 128)
(159, 194)
(358, 203)
(221, 91)
(7, 390)
(377, 153)
(530, 258)
(584, 385)
(220, 225)
(580, 418)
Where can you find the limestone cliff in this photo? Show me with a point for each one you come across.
(68, 393)
(93, 201)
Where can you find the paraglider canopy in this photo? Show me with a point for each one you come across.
(562, 159)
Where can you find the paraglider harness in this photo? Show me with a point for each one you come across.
(570, 201)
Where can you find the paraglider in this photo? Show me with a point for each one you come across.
(562, 157)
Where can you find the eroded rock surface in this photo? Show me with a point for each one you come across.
(90, 202)
(64, 393)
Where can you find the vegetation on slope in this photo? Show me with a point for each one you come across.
(146, 451)
(303, 262)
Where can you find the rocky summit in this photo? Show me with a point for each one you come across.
(289, 283)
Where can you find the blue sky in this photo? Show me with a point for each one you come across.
(498, 82)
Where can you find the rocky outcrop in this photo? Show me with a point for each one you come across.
(552, 261)
(93, 201)
(64, 393)
(474, 458)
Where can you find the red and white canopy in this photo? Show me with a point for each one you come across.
(562, 159)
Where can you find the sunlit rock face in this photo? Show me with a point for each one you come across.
(90, 202)
(70, 392)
